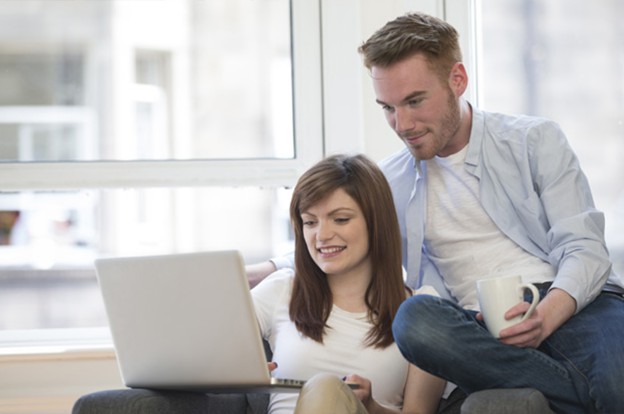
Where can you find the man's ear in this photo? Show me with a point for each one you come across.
(458, 79)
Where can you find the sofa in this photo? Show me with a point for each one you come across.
(140, 401)
(144, 401)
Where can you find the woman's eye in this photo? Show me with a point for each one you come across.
(342, 220)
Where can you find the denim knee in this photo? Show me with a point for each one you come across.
(415, 327)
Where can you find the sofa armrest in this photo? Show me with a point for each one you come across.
(140, 401)
(506, 401)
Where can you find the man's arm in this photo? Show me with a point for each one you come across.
(577, 248)
(258, 271)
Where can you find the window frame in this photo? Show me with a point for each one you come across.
(308, 139)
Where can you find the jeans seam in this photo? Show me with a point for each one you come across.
(567, 360)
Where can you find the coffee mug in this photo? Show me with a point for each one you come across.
(498, 295)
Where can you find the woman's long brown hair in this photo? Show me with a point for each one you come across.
(311, 301)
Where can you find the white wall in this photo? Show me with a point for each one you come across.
(50, 382)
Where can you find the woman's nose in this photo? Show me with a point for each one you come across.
(324, 232)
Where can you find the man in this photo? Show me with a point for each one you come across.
(482, 195)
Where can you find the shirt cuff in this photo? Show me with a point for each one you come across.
(283, 262)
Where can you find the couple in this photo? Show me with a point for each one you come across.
(475, 194)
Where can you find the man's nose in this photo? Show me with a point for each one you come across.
(402, 120)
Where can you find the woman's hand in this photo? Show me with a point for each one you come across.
(272, 365)
(362, 390)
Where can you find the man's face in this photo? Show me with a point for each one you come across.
(422, 110)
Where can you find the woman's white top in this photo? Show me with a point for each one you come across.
(342, 353)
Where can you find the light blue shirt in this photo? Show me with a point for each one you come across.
(532, 187)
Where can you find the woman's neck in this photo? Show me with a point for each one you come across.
(348, 292)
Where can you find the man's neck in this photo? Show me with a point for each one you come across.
(465, 126)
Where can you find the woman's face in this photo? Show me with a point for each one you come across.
(336, 235)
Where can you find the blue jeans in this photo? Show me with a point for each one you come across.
(579, 368)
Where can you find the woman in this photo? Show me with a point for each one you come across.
(329, 321)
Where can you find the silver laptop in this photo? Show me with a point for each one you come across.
(186, 322)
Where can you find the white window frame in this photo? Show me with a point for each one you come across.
(463, 15)
(308, 140)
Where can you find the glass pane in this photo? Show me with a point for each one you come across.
(149, 79)
(562, 59)
(48, 241)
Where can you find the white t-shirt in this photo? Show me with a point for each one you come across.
(342, 353)
(463, 241)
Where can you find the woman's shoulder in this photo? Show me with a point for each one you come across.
(273, 293)
(281, 276)
(278, 280)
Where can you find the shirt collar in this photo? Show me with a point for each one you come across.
(476, 136)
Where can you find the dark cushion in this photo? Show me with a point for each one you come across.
(169, 402)
(506, 401)
(141, 401)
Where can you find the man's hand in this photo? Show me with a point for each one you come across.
(526, 334)
(552, 312)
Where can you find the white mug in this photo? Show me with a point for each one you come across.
(498, 295)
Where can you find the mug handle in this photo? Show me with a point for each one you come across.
(534, 302)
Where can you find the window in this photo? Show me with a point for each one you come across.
(148, 127)
(563, 59)
(120, 134)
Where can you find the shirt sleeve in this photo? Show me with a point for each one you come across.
(576, 234)
(267, 295)
(284, 262)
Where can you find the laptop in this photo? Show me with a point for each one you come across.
(186, 322)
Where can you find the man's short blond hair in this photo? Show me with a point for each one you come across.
(412, 34)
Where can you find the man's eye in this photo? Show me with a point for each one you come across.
(414, 102)
(387, 108)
